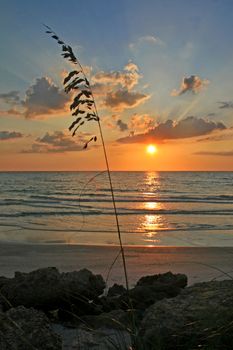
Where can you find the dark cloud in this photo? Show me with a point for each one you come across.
(43, 98)
(122, 126)
(121, 99)
(11, 97)
(171, 130)
(226, 105)
(57, 142)
(193, 84)
(219, 153)
(10, 135)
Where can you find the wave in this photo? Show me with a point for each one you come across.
(74, 201)
(188, 228)
(123, 211)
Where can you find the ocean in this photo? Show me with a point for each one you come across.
(155, 208)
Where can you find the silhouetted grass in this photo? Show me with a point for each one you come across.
(85, 109)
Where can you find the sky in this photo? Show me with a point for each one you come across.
(161, 73)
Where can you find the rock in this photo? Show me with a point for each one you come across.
(101, 339)
(165, 280)
(150, 289)
(144, 296)
(116, 290)
(3, 280)
(27, 329)
(115, 319)
(200, 317)
(48, 289)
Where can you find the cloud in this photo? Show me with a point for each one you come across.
(147, 39)
(170, 130)
(126, 79)
(131, 67)
(11, 97)
(114, 89)
(220, 135)
(122, 98)
(57, 142)
(10, 135)
(226, 105)
(219, 153)
(139, 123)
(44, 97)
(11, 111)
(192, 84)
(41, 98)
(122, 126)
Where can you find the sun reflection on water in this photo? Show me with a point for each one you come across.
(151, 226)
(152, 205)
(153, 223)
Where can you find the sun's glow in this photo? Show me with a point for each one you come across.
(151, 149)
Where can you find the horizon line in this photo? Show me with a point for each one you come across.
(113, 171)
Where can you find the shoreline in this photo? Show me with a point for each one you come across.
(200, 264)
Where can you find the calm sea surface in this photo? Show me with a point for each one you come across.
(155, 209)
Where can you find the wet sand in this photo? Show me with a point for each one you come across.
(200, 264)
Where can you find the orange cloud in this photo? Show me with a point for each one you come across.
(139, 123)
(122, 99)
(114, 89)
(127, 78)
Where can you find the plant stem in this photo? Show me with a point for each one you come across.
(111, 186)
(114, 207)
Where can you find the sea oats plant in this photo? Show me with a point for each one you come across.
(84, 109)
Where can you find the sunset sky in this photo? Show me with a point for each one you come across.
(161, 71)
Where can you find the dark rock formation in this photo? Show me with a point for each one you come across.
(116, 290)
(150, 289)
(101, 339)
(27, 329)
(164, 280)
(166, 316)
(48, 289)
(115, 319)
(200, 317)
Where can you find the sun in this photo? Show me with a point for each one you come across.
(151, 149)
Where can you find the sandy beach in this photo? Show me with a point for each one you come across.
(199, 264)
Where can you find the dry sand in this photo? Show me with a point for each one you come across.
(200, 264)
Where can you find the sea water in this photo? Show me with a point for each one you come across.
(154, 208)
